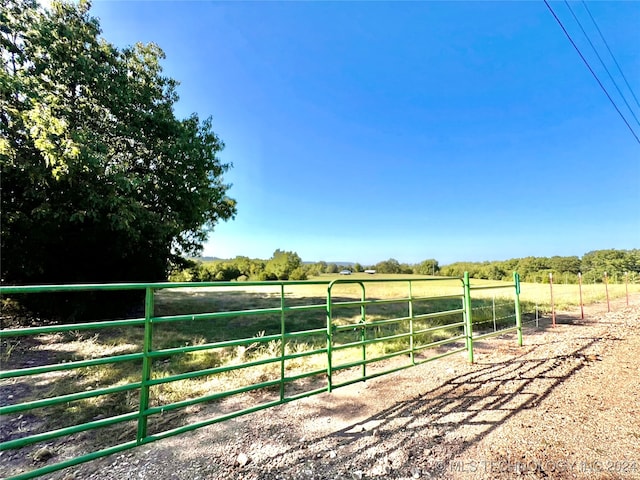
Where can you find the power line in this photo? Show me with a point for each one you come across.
(611, 53)
(601, 61)
(591, 70)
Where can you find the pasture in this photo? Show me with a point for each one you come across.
(257, 336)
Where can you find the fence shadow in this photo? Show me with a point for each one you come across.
(442, 422)
(45, 350)
(428, 431)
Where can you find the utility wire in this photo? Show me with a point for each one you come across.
(602, 62)
(591, 70)
(611, 53)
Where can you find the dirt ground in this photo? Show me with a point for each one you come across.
(565, 405)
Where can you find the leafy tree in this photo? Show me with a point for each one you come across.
(357, 267)
(243, 264)
(532, 265)
(298, 273)
(388, 266)
(100, 180)
(257, 269)
(190, 271)
(220, 271)
(315, 269)
(427, 267)
(406, 268)
(332, 268)
(492, 271)
(283, 263)
(564, 269)
(452, 270)
(565, 264)
(614, 262)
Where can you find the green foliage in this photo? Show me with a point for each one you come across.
(287, 265)
(332, 268)
(388, 266)
(427, 267)
(564, 269)
(316, 269)
(220, 272)
(614, 262)
(298, 273)
(101, 182)
(283, 263)
(282, 266)
(189, 271)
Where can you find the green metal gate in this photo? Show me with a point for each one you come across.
(410, 334)
(345, 335)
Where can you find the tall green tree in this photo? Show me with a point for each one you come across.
(100, 180)
(614, 262)
(427, 267)
(332, 268)
(283, 264)
(565, 264)
(388, 266)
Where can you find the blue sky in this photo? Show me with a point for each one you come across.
(449, 130)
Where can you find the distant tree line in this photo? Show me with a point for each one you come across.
(287, 265)
(592, 266)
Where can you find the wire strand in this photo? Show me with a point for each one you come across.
(602, 62)
(611, 53)
(591, 70)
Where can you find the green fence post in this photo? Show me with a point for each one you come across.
(411, 329)
(282, 341)
(146, 366)
(329, 340)
(516, 279)
(363, 333)
(469, 321)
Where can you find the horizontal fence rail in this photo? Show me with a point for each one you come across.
(238, 347)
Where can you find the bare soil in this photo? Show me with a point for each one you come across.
(566, 405)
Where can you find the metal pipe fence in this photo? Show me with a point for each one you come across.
(335, 334)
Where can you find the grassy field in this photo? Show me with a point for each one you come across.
(75, 345)
(567, 295)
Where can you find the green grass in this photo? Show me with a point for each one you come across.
(72, 346)
(568, 295)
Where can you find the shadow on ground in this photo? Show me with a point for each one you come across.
(443, 421)
(427, 433)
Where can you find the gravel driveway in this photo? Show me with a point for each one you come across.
(565, 405)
